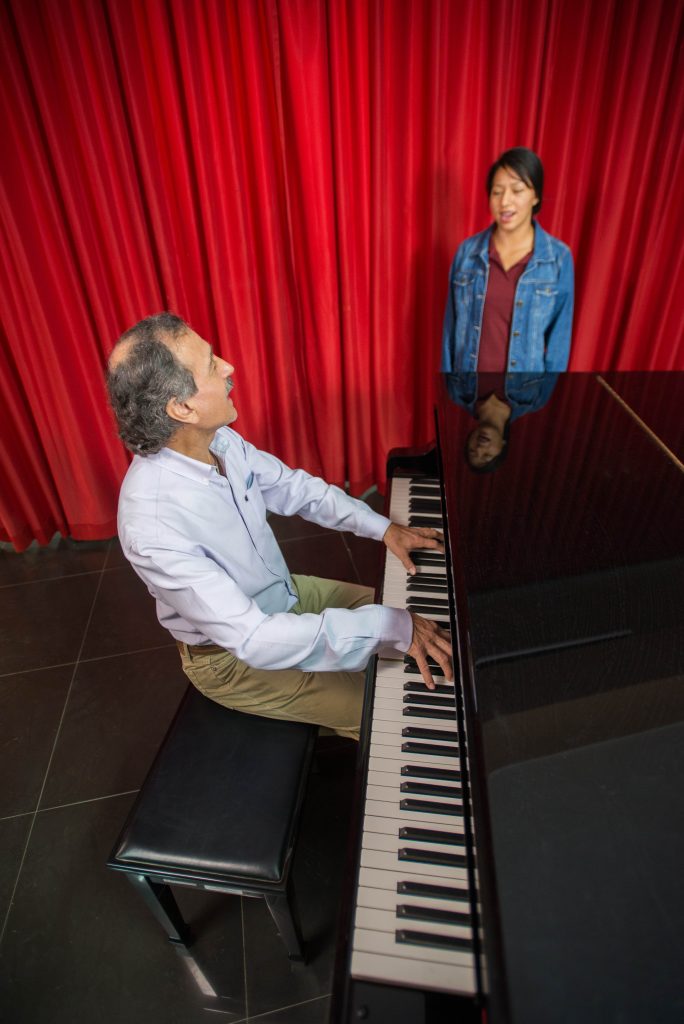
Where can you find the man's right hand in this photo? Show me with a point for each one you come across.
(430, 641)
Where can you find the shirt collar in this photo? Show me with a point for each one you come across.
(183, 465)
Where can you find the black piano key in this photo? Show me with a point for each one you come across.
(418, 711)
(410, 938)
(434, 604)
(426, 556)
(429, 698)
(427, 789)
(427, 600)
(418, 687)
(435, 892)
(424, 771)
(417, 680)
(429, 807)
(411, 666)
(416, 913)
(424, 578)
(413, 855)
(421, 503)
(424, 489)
(430, 835)
(436, 522)
(417, 586)
(437, 749)
(417, 732)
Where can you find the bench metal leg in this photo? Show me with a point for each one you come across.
(161, 902)
(284, 912)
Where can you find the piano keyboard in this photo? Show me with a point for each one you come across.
(412, 923)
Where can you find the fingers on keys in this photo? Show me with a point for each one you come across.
(429, 641)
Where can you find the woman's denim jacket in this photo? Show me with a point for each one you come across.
(524, 392)
(542, 311)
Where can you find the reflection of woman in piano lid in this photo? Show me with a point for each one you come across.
(486, 446)
(496, 401)
(511, 287)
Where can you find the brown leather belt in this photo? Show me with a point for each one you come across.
(195, 649)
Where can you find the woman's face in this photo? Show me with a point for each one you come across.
(511, 201)
(484, 443)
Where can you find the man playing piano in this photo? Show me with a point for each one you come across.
(192, 522)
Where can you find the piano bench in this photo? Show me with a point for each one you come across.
(219, 810)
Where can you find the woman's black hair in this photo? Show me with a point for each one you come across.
(526, 165)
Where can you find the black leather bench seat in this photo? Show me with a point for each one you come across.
(219, 809)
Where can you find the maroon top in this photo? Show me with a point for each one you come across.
(498, 312)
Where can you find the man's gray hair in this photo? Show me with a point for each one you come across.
(145, 379)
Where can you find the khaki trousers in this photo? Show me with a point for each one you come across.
(331, 699)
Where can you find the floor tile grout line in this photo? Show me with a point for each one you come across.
(40, 668)
(71, 803)
(88, 800)
(85, 661)
(10, 904)
(290, 1006)
(56, 579)
(122, 654)
(22, 814)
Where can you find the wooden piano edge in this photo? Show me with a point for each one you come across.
(497, 1008)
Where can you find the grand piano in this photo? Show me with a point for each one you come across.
(517, 851)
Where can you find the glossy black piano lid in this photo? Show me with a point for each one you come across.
(571, 556)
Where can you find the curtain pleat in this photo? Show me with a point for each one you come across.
(293, 177)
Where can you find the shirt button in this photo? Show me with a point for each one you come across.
(519, 303)
(516, 334)
(513, 362)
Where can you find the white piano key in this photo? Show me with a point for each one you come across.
(387, 745)
(394, 718)
(379, 878)
(390, 899)
(394, 782)
(391, 826)
(391, 844)
(391, 809)
(394, 794)
(386, 860)
(369, 941)
(395, 762)
(438, 977)
(387, 921)
(394, 765)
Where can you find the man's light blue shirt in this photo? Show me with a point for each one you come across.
(201, 543)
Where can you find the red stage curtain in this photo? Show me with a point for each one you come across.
(293, 177)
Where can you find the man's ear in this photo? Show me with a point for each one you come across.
(182, 412)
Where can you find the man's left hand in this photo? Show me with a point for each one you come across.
(402, 539)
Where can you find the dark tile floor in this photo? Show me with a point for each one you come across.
(88, 685)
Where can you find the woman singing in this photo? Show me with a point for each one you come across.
(511, 287)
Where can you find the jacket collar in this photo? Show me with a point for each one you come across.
(541, 253)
